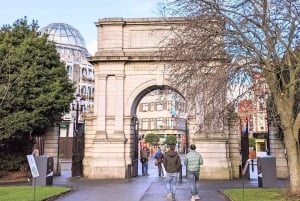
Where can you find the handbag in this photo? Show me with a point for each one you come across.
(156, 163)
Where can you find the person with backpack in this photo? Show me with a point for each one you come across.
(192, 161)
(172, 164)
(159, 159)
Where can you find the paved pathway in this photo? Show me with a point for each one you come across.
(144, 188)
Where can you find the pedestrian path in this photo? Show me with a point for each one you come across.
(141, 188)
(145, 188)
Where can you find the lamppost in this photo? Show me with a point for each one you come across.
(186, 136)
(186, 141)
(76, 156)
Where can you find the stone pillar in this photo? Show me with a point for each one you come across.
(100, 110)
(51, 147)
(119, 105)
(277, 150)
(106, 160)
(216, 163)
(234, 145)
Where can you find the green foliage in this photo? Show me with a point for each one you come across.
(252, 142)
(152, 138)
(34, 86)
(171, 139)
(257, 194)
(13, 152)
(24, 193)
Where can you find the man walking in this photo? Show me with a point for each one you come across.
(159, 159)
(192, 161)
(145, 153)
(172, 164)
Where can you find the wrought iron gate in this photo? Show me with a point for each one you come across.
(134, 165)
(78, 151)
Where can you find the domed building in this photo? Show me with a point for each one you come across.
(73, 52)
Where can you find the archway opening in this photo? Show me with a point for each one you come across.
(159, 116)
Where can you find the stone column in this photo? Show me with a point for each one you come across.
(277, 150)
(51, 147)
(119, 105)
(234, 145)
(101, 107)
(216, 163)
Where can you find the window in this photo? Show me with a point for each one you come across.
(152, 107)
(170, 122)
(181, 124)
(169, 106)
(83, 90)
(145, 107)
(69, 70)
(84, 72)
(152, 123)
(144, 124)
(159, 122)
(159, 106)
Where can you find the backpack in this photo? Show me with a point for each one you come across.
(144, 155)
(159, 157)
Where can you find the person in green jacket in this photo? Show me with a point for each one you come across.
(192, 161)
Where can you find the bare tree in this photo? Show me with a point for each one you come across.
(223, 43)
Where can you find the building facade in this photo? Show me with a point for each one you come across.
(72, 50)
(163, 113)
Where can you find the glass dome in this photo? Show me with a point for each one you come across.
(64, 34)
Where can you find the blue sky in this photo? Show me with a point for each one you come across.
(82, 15)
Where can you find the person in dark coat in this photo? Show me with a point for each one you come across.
(172, 164)
(145, 153)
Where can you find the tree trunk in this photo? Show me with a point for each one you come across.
(285, 110)
(293, 161)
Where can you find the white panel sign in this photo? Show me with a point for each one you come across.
(32, 165)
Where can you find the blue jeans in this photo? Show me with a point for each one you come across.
(194, 182)
(171, 183)
(160, 170)
(145, 168)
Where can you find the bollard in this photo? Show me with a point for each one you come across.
(129, 172)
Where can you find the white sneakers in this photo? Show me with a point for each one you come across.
(169, 196)
(195, 197)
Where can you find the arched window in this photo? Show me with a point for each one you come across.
(69, 69)
(89, 91)
(83, 90)
(84, 72)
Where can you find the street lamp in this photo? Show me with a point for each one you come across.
(78, 109)
(76, 156)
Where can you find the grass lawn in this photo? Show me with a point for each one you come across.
(28, 193)
(259, 194)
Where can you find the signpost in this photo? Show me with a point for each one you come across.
(34, 171)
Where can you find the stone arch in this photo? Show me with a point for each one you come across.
(132, 104)
(127, 66)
